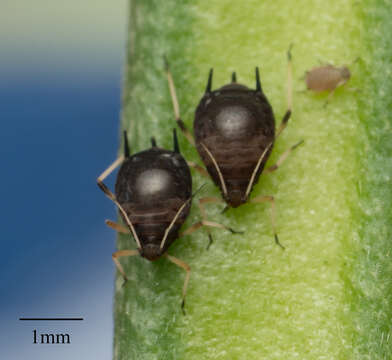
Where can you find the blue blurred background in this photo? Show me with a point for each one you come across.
(60, 91)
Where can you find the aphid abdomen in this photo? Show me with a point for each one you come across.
(151, 223)
(236, 162)
(324, 78)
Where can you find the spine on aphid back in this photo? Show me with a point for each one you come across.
(327, 294)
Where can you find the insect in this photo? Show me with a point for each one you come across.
(327, 78)
(153, 192)
(234, 130)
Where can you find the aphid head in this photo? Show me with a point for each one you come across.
(235, 198)
(151, 251)
(345, 72)
(234, 87)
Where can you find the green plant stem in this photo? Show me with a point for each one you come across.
(327, 296)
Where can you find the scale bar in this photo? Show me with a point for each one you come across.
(51, 319)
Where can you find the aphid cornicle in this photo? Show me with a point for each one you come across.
(234, 130)
(153, 192)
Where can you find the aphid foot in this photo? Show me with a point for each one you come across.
(104, 188)
(278, 242)
(210, 241)
(183, 307)
(227, 207)
(166, 62)
(289, 56)
(298, 144)
(235, 231)
(124, 282)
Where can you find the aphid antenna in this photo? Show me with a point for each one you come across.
(258, 83)
(221, 179)
(197, 191)
(209, 82)
(233, 77)
(177, 215)
(252, 179)
(172, 222)
(129, 223)
(176, 146)
(127, 151)
(153, 142)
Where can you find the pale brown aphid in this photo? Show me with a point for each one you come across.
(326, 78)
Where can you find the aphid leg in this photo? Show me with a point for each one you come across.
(204, 217)
(205, 222)
(353, 89)
(282, 158)
(256, 169)
(105, 174)
(271, 200)
(287, 115)
(220, 226)
(187, 268)
(110, 169)
(329, 97)
(191, 229)
(289, 79)
(221, 178)
(354, 61)
(118, 227)
(227, 207)
(198, 168)
(199, 224)
(341, 83)
(121, 253)
(176, 106)
(209, 200)
(283, 123)
(167, 231)
(112, 197)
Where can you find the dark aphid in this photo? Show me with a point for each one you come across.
(234, 131)
(153, 193)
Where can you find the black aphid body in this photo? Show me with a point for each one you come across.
(236, 124)
(151, 187)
